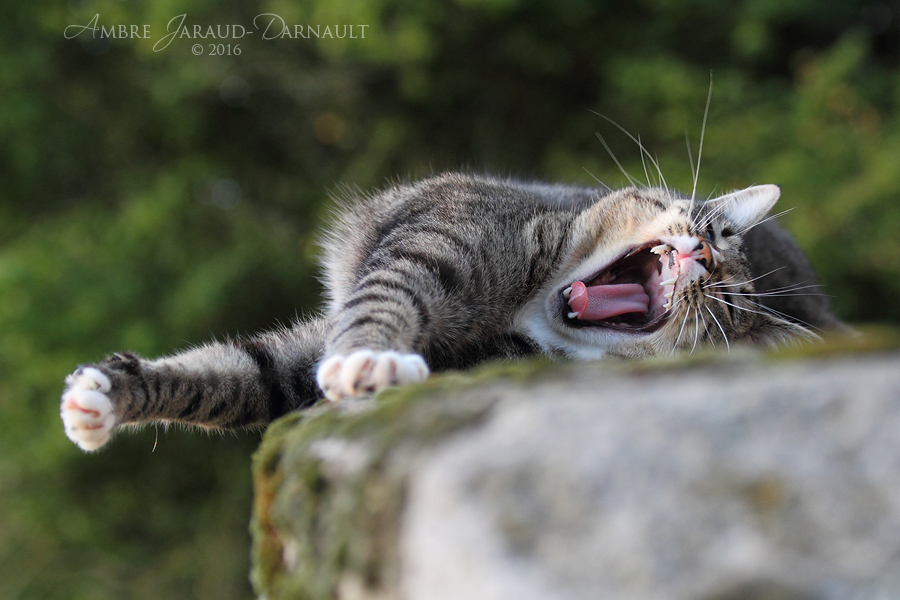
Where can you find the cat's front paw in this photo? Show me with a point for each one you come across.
(367, 371)
(86, 411)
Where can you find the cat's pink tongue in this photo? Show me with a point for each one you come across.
(604, 301)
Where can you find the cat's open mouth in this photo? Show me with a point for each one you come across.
(632, 294)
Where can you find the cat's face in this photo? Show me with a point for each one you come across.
(652, 272)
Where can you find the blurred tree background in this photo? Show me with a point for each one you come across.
(151, 200)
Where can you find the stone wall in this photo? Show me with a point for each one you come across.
(769, 477)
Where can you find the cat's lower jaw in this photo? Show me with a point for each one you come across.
(365, 372)
(86, 411)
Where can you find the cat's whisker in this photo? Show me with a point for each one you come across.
(696, 328)
(687, 141)
(800, 285)
(721, 206)
(749, 280)
(675, 345)
(658, 170)
(616, 160)
(782, 291)
(669, 306)
(782, 315)
(716, 212)
(744, 308)
(678, 337)
(710, 338)
(769, 218)
(643, 162)
(702, 135)
(706, 328)
(637, 141)
(597, 179)
(787, 294)
(724, 335)
(674, 305)
(723, 301)
(707, 285)
(712, 215)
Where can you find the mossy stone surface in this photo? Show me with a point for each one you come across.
(331, 483)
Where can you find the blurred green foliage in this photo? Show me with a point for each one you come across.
(149, 200)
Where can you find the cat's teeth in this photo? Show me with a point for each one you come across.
(660, 249)
(669, 281)
(566, 292)
(573, 315)
(669, 295)
(668, 304)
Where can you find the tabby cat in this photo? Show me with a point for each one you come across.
(457, 269)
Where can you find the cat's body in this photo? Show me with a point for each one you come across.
(454, 270)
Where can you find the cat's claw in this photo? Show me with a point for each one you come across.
(366, 372)
(86, 411)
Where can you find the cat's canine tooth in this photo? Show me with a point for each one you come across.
(660, 249)
(669, 281)
(566, 292)
(573, 315)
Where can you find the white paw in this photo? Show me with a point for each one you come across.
(86, 411)
(367, 371)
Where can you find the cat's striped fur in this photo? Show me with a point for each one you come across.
(454, 270)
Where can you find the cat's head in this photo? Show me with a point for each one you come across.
(652, 272)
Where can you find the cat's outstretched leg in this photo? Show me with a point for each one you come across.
(242, 383)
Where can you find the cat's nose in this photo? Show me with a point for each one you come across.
(703, 255)
(695, 256)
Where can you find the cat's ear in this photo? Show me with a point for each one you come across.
(745, 208)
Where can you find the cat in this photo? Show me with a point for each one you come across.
(458, 269)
